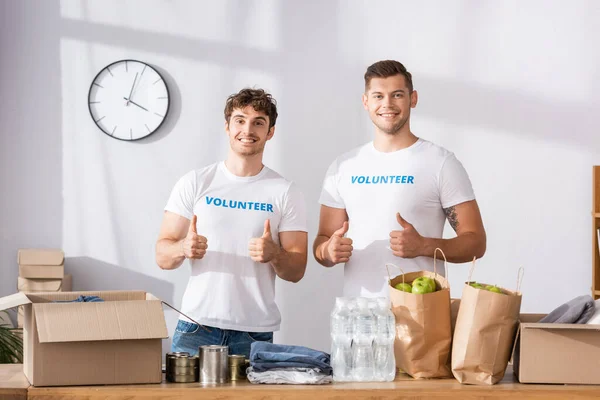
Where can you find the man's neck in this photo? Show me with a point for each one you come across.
(387, 143)
(244, 165)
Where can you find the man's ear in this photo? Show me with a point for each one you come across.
(271, 133)
(364, 101)
(414, 98)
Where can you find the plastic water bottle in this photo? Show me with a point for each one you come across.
(385, 362)
(362, 350)
(352, 308)
(341, 339)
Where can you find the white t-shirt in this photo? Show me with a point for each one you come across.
(419, 182)
(227, 289)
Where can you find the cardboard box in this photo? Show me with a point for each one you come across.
(42, 285)
(45, 285)
(42, 271)
(41, 263)
(556, 353)
(118, 341)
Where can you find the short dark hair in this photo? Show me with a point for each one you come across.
(257, 98)
(385, 69)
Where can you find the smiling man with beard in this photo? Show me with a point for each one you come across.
(387, 201)
(240, 224)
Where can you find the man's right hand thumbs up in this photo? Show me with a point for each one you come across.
(338, 249)
(194, 245)
(342, 231)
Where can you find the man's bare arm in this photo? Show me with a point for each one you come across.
(290, 262)
(330, 246)
(470, 240)
(177, 240)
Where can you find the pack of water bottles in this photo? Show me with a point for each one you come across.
(362, 340)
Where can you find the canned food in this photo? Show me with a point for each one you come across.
(181, 367)
(213, 364)
(181, 378)
(237, 367)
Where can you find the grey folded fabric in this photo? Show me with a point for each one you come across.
(577, 311)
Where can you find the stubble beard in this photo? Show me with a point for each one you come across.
(392, 130)
(250, 152)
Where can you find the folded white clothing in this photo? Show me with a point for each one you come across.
(595, 319)
(292, 376)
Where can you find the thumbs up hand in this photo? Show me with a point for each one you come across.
(194, 246)
(406, 243)
(338, 249)
(263, 249)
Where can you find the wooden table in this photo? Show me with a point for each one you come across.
(13, 383)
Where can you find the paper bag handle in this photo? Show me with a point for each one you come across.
(520, 278)
(388, 271)
(471, 270)
(445, 262)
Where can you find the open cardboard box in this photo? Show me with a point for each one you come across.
(42, 285)
(117, 341)
(556, 353)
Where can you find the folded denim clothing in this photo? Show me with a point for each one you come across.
(82, 299)
(265, 356)
(290, 376)
(577, 311)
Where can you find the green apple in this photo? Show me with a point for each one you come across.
(421, 287)
(494, 289)
(476, 285)
(404, 287)
(428, 281)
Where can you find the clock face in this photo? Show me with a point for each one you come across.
(128, 100)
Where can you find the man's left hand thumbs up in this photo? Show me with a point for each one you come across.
(263, 249)
(406, 243)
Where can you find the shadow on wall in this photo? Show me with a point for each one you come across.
(30, 137)
(174, 108)
(91, 274)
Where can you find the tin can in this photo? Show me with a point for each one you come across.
(237, 367)
(181, 368)
(213, 364)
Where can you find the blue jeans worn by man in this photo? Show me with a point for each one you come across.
(190, 336)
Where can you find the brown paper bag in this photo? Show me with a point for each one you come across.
(484, 333)
(423, 327)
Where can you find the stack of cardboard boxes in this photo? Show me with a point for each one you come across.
(114, 341)
(41, 270)
(68, 341)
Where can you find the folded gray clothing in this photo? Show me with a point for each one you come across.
(577, 311)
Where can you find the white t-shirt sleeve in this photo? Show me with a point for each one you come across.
(330, 195)
(454, 183)
(183, 196)
(293, 216)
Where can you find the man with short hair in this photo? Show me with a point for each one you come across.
(239, 224)
(387, 201)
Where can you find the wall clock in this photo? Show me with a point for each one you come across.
(128, 100)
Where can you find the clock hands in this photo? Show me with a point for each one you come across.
(131, 91)
(134, 103)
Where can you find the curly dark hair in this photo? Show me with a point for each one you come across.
(385, 69)
(257, 98)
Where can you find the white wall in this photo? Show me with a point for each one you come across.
(509, 86)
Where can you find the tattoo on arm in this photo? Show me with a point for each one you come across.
(452, 218)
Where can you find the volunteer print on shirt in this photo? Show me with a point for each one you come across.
(418, 182)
